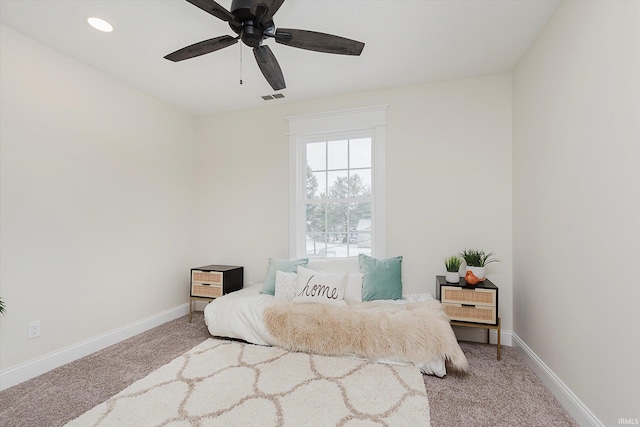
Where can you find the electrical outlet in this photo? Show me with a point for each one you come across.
(33, 329)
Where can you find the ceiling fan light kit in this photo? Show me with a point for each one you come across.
(252, 21)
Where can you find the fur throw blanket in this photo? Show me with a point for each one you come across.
(415, 332)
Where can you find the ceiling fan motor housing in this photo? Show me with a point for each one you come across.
(251, 34)
(250, 31)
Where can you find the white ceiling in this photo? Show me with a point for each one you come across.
(407, 42)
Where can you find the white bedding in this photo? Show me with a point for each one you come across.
(240, 315)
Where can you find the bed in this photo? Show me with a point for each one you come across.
(350, 306)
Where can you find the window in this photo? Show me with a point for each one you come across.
(338, 196)
(337, 188)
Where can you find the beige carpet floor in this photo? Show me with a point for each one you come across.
(493, 393)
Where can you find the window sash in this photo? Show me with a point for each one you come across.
(344, 242)
(369, 121)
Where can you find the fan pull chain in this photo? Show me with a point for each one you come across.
(240, 62)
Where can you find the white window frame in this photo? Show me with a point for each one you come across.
(304, 128)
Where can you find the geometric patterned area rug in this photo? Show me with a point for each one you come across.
(229, 383)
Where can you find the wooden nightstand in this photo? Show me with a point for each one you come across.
(471, 306)
(213, 281)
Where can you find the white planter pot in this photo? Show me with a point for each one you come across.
(452, 277)
(478, 272)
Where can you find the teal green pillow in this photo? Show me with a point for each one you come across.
(382, 278)
(284, 265)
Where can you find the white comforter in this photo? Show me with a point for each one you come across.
(240, 315)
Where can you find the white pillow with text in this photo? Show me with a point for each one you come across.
(322, 288)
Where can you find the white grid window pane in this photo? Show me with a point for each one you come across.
(360, 153)
(338, 184)
(338, 154)
(316, 244)
(317, 155)
(316, 217)
(360, 183)
(316, 184)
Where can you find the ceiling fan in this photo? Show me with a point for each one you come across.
(252, 21)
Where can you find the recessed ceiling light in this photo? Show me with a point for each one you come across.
(100, 24)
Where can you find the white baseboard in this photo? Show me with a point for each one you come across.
(565, 396)
(25, 371)
(505, 337)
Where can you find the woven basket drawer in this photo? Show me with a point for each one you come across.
(475, 314)
(207, 291)
(454, 294)
(209, 277)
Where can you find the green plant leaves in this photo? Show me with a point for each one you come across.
(453, 263)
(477, 258)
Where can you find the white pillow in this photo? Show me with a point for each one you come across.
(353, 292)
(286, 285)
(323, 288)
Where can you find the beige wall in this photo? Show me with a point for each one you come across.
(95, 201)
(448, 184)
(576, 177)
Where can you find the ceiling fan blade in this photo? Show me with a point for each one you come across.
(210, 6)
(201, 48)
(265, 9)
(318, 42)
(269, 67)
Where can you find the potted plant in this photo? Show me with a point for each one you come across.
(452, 264)
(476, 261)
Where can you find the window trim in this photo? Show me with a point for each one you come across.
(324, 125)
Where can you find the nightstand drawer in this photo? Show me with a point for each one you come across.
(471, 313)
(208, 277)
(478, 296)
(206, 291)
